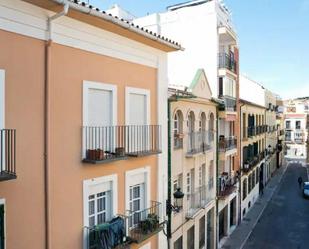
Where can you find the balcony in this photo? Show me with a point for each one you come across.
(249, 164)
(8, 154)
(178, 141)
(110, 143)
(226, 61)
(251, 130)
(227, 143)
(227, 35)
(226, 185)
(198, 200)
(124, 230)
(199, 142)
(145, 224)
(229, 104)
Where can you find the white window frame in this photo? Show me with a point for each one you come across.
(2, 202)
(2, 98)
(86, 191)
(134, 90)
(129, 182)
(99, 86)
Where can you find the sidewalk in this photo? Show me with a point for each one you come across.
(242, 232)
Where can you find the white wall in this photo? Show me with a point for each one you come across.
(251, 91)
(195, 28)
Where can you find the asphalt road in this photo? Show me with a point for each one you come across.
(285, 221)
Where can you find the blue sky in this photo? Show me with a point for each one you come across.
(273, 39)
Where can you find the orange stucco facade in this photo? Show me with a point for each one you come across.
(23, 59)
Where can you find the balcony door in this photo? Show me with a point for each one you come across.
(99, 118)
(138, 118)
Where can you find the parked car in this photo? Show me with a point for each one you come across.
(306, 190)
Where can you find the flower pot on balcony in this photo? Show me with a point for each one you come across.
(119, 151)
(95, 155)
(178, 135)
(150, 224)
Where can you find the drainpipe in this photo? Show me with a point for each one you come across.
(46, 121)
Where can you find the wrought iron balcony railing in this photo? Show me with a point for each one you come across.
(199, 141)
(123, 230)
(228, 62)
(227, 143)
(197, 200)
(226, 185)
(145, 223)
(104, 144)
(229, 103)
(8, 154)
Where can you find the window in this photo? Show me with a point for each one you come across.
(136, 204)
(257, 176)
(100, 200)
(178, 182)
(253, 179)
(249, 183)
(244, 189)
(178, 243)
(211, 175)
(190, 237)
(220, 86)
(230, 89)
(202, 175)
(297, 125)
(202, 123)
(288, 124)
(178, 129)
(99, 208)
(202, 224)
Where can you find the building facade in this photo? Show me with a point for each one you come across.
(212, 35)
(253, 141)
(86, 93)
(271, 136)
(296, 128)
(193, 165)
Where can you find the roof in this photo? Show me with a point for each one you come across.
(122, 22)
(250, 103)
(94, 16)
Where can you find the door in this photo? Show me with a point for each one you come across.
(2, 228)
(137, 120)
(221, 224)
(99, 133)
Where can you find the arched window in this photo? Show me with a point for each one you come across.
(178, 129)
(191, 121)
(202, 123)
(211, 127)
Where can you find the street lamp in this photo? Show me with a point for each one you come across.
(178, 196)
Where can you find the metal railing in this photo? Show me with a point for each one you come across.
(251, 131)
(226, 184)
(95, 240)
(116, 142)
(8, 154)
(199, 141)
(178, 141)
(197, 200)
(226, 61)
(145, 223)
(227, 143)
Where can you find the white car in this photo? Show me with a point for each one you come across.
(306, 189)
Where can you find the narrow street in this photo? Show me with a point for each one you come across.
(285, 221)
